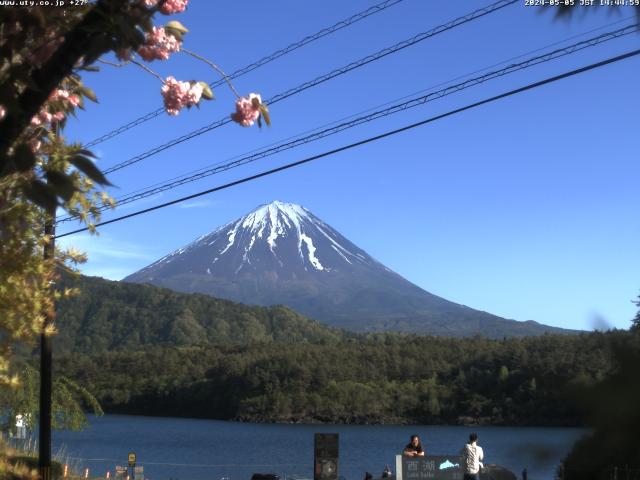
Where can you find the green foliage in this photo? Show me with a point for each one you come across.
(146, 350)
(503, 375)
(380, 378)
(635, 327)
(17, 465)
(108, 316)
(612, 409)
(69, 401)
(44, 49)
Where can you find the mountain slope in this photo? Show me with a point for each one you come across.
(283, 254)
(111, 316)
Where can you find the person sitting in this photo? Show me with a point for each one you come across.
(414, 448)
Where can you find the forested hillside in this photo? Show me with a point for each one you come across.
(375, 378)
(146, 350)
(107, 316)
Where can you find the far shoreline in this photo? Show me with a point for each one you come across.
(312, 421)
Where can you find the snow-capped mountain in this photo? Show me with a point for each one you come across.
(283, 239)
(281, 253)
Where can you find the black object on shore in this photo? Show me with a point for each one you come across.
(496, 472)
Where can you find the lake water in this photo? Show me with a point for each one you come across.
(177, 448)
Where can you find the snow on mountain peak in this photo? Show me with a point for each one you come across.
(274, 220)
(278, 216)
(278, 226)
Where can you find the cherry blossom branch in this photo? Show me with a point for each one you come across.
(46, 77)
(113, 64)
(214, 66)
(144, 67)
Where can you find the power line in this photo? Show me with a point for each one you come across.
(395, 108)
(429, 89)
(365, 141)
(323, 78)
(259, 63)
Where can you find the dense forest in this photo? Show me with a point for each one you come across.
(151, 351)
(106, 316)
(147, 350)
(388, 378)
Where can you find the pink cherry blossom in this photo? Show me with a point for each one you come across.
(179, 94)
(3, 112)
(150, 3)
(172, 92)
(35, 145)
(57, 117)
(170, 7)
(65, 96)
(42, 117)
(193, 96)
(246, 112)
(158, 45)
(58, 94)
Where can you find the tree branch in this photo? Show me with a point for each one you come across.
(46, 78)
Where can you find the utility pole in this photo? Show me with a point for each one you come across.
(44, 459)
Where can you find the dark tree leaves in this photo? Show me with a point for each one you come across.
(86, 166)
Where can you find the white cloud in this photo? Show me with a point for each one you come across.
(198, 204)
(103, 247)
(105, 272)
(108, 257)
(129, 206)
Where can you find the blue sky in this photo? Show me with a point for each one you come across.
(526, 208)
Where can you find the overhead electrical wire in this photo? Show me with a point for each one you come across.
(257, 64)
(421, 91)
(323, 78)
(395, 108)
(371, 139)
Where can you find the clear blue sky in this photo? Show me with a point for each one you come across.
(526, 208)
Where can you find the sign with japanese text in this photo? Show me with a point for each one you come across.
(429, 467)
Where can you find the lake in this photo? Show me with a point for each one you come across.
(178, 448)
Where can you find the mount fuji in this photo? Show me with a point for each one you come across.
(281, 253)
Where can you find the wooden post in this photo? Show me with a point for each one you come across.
(44, 459)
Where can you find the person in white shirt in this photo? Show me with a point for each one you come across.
(472, 456)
